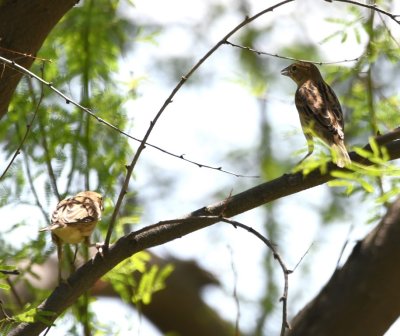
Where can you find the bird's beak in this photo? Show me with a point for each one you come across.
(285, 72)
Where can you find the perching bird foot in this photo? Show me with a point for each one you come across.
(100, 248)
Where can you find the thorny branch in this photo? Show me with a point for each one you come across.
(9, 272)
(168, 101)
(69, 100)
(258, 52)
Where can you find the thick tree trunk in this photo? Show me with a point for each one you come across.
(24, 25)
(362, 298)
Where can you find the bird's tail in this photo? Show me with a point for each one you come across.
(342, 157)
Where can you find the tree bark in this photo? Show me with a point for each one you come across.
(362, 298)
(24, 25)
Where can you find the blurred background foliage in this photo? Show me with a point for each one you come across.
(68, 151)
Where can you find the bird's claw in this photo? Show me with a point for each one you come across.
(100, 248)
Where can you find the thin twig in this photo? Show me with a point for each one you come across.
(395, 18)
(74, 156)
(33, 189)
(285, 270)
(44, 144)
(235, 294)
(370, 88)
(69, 100)
(258, 52)
(168, 101)
(201, 165)
(10, 272)
(22, 54)
(15, 293)
(285, 324)
(389, 31)
(4, 312)
(47, 156)
(302, 257)
(28, 128)
(47, 330)
(346, 242)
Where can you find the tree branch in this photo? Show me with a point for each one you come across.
(166, 103)
(373, 7)
(157, 234)
(277, 257)
(68, 100)
(264, 53)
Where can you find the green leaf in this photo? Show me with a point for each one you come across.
(357, 35)
(363, 152)
(349, 185)
(4, 286)
(123, 280)
(387, 196)
(34, 314)
(151, 282)
(367, 186)
(374, 146)
(342, 174)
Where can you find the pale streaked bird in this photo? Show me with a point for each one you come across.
(74, 220)
(319, 110)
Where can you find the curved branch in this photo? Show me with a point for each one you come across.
(264, 53)
(157, 234)
(166, 103)
(68, 100)
(286, 272)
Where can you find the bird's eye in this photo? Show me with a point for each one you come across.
(294, 68)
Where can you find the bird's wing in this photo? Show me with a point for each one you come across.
(73, 211)
(320, 104)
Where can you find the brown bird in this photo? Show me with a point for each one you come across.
(319, 110)
(74, 220)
